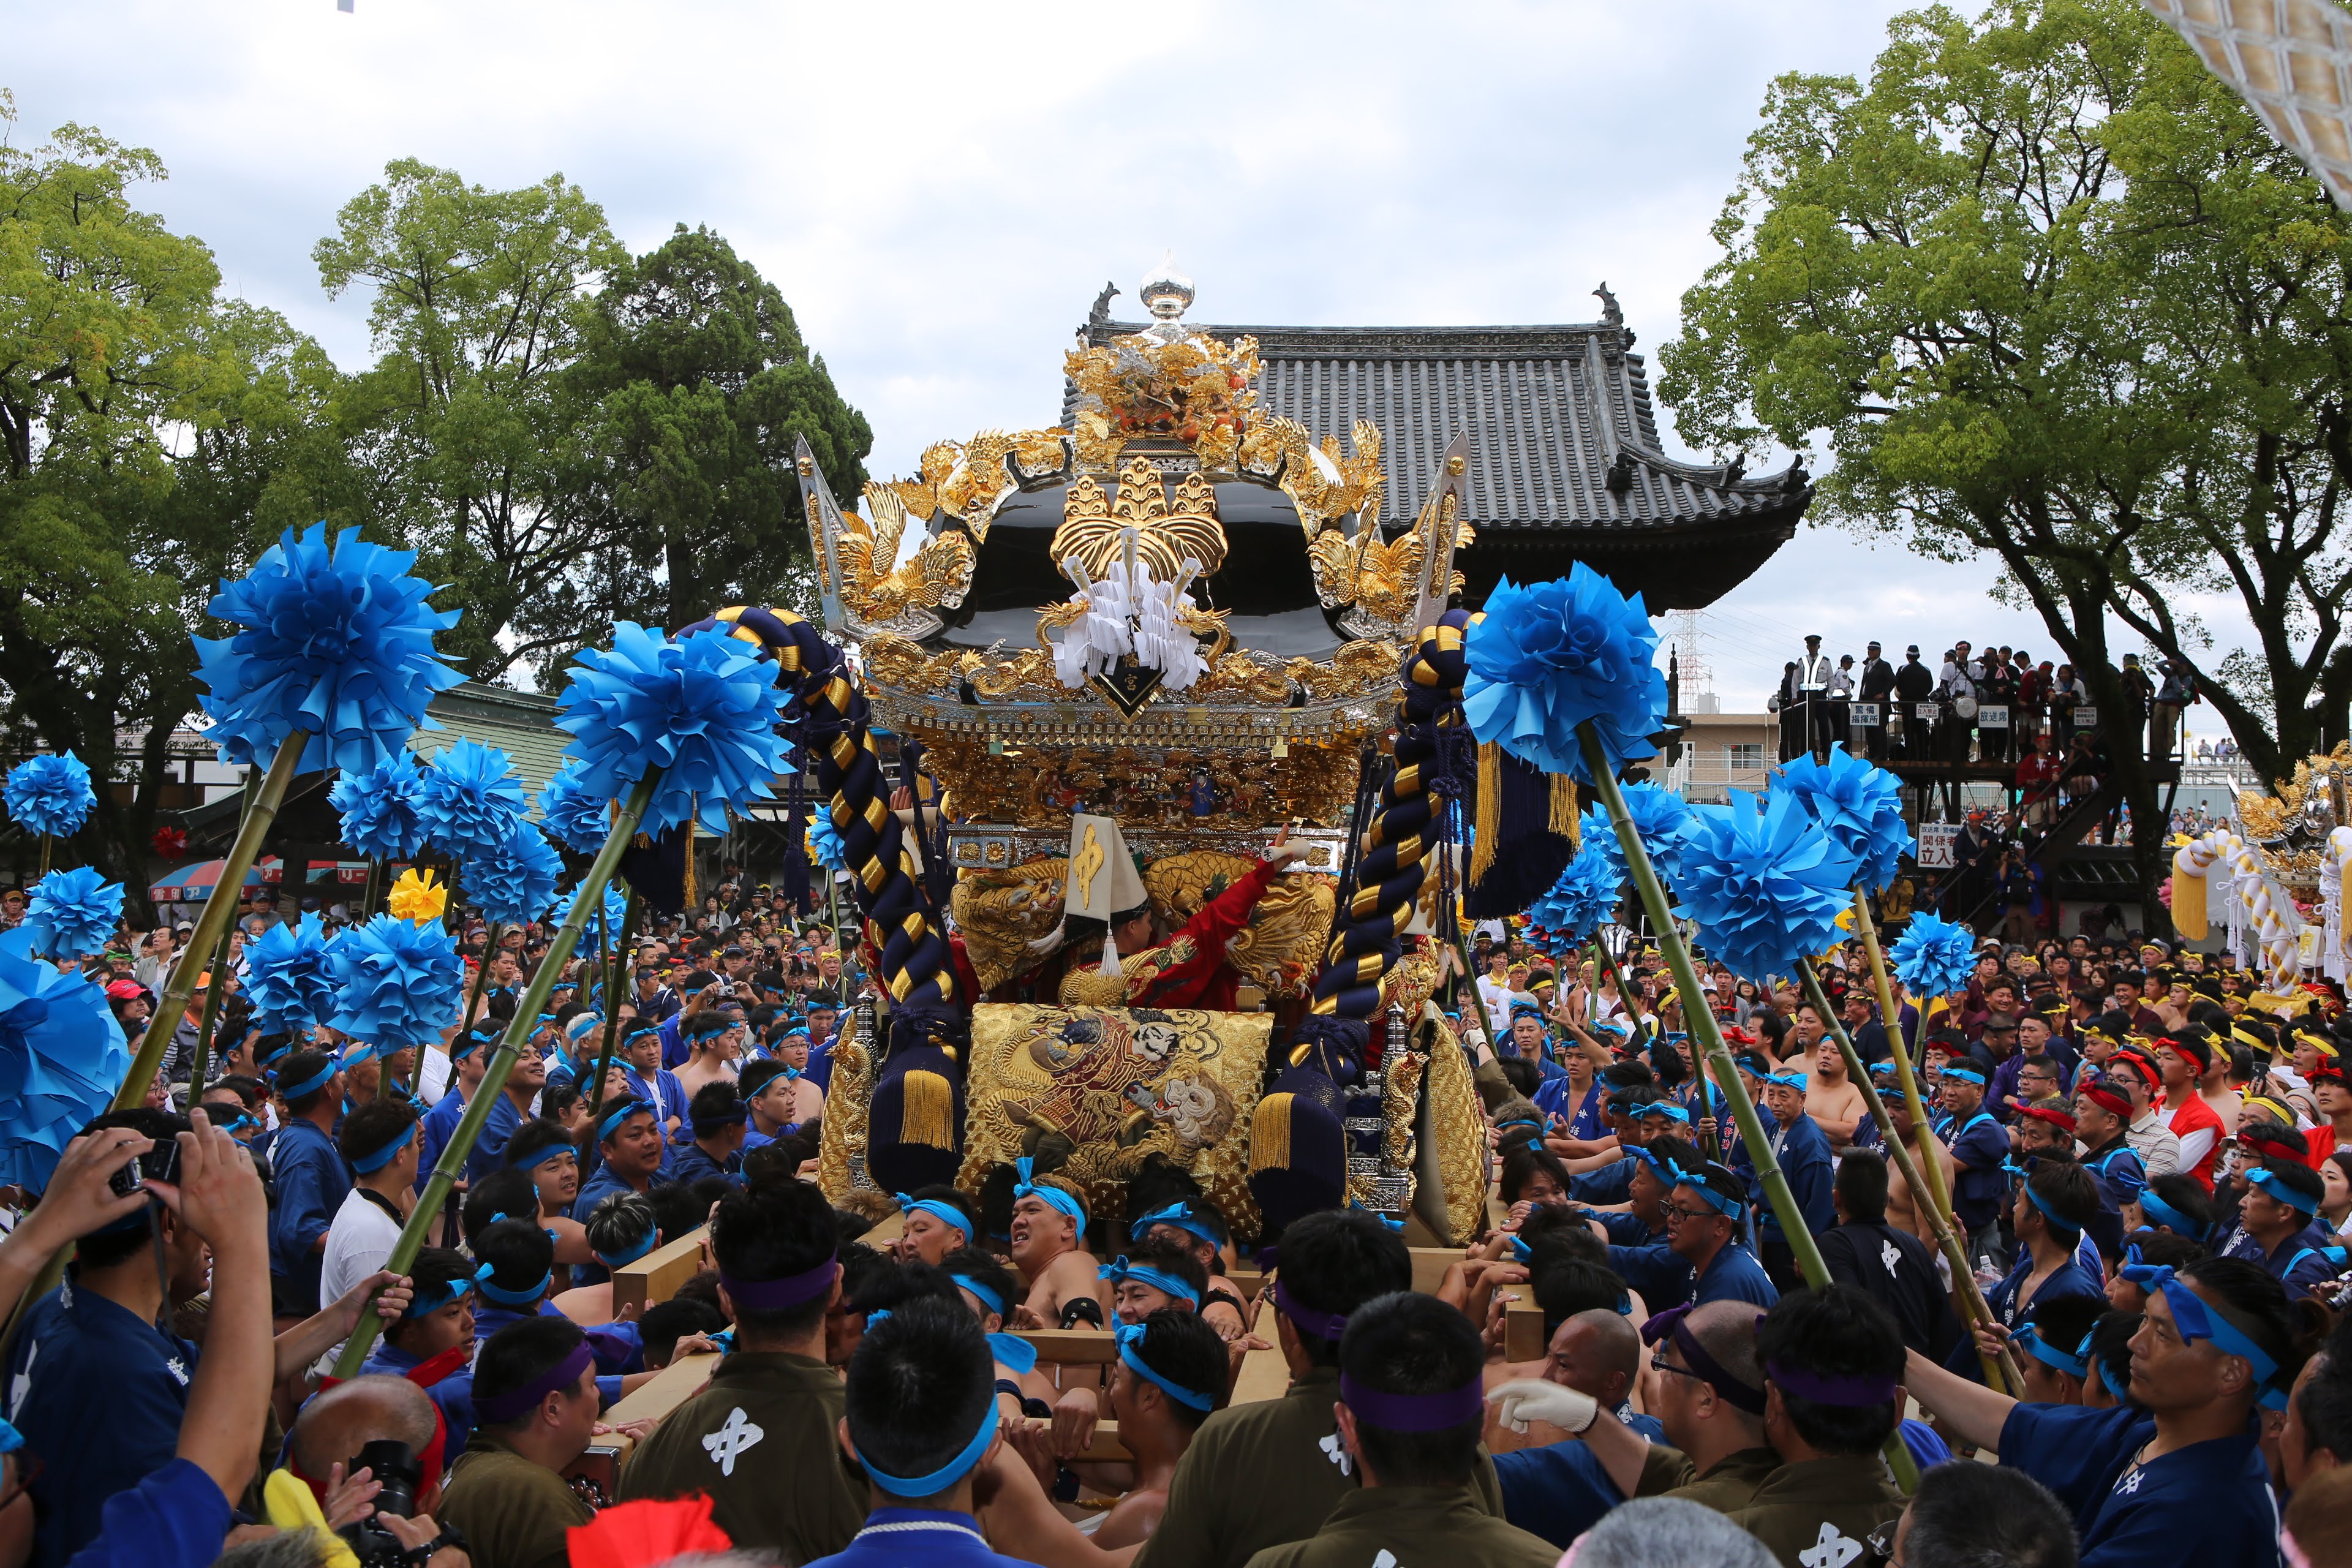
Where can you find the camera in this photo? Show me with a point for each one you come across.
(393, 1465)
(160, 1164)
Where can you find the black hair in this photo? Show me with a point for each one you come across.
(2067, 1188)
(1522, 1165)
(1523, 1075)
(2259, 1305)
(666, 1323)
(2168, 1247)
(1973, 1516)
(558, 1097)
(863, 1269)
(773, 1235)
(2326, 1402)
(1160, 1182)
(919, 1385)
(2111, 1339)
(301, 1068)
(676, 1210)
(537, 1136)
(892, 1289)
(518, 1252)
(1566, 1286)
(1335, 1260)
(756, 1077)
(1620, 1078)
(248, 1090)
(986, 1270)
(1834, 1330)
(1406, 1343)
(2182, 1191)
(620, 1223)
(1667, 1062)
(519, 1355)
(1554, 1231)
(1185, 1350)
(510, 1193)
(714, 1108)
(2063, 1321)
(1862, 1185)
(430, 1273)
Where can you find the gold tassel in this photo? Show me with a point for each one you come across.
(1270, 1135)
(926, 1115)
(1563, 810)
(1487, 818)
(689, 894)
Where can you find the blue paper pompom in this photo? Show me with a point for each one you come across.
(515, 885)
(286, 979)
(1584, 898)
(824, 841)
(62, 1057)
(335, 642)
(1660, 818)
(606, 923)
(381, 807)
(574, 814)
(1934, 957)
(1859, 803)
(1764, 886)
(469, 800)
(701, 711)
(1546, 659)
(73, 912)
(49, 795)
(396, 983)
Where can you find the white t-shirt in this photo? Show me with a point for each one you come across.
(1495, 995)
(359, 1239)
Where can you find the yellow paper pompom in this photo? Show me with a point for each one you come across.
(417, 896)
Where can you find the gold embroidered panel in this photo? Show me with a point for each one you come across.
(1120, 1084)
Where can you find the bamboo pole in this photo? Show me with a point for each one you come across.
(1893, 1021)
(2000, 1372)
(220, 912)
(1703, 1028)
(613, 1006)
(452, 1162)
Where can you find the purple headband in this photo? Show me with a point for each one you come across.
(1322, 1325)
(1415, 1412)
(1730, 1389)
(499, 1410)
(1826, 1388)
(775, 1295)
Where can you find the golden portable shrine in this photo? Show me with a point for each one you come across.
(1179, 614)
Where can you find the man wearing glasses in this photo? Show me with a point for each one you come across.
(1705, 1224)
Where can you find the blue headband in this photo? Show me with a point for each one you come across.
(630, 1254)
(423, 1305)
(947, 1214)
(384, 1156)
(633, 1035)
(2042, 1350)
(618, 1114)
(1119, 1269)
(1785, 1079)
(1129, 1335)
(326, 1075)
(542, 1156)
(1052, 1197)
(1966, 1075)
(947, 1474)
(473, 1042)
(1180, 1217)
(1667, 1109)
(988, 1298)
(1659, 1167)
(2196, 1321)
(2057, 1221)
(1730, 1208)
(1386, 1223)
(504, 1296)
(2154, 1208)
(1012, 1350)
(2268, 1180)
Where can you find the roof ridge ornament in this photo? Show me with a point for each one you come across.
(1167, 292)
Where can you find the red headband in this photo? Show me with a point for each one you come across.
(2052, 1115)
(2108, 1099)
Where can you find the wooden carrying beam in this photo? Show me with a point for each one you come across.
(657, 1275)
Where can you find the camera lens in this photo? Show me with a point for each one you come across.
(395, 1468)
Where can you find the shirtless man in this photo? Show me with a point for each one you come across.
(712, 1039)
(1195, 1224)
(1065, 1281)
(1902, 1210)
(1833, 1099)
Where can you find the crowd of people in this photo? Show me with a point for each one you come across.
(1994, 705)
(2141, 1148)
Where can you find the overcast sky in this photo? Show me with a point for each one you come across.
(940, 190)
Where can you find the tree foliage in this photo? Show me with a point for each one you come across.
(2052, 295)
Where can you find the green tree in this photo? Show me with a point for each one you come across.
(2053, 297)
(700, 385)
(153, 437)
(468, 422)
